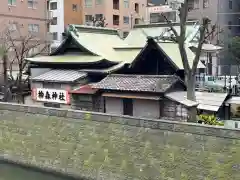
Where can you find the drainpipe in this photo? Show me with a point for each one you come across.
(131, 20)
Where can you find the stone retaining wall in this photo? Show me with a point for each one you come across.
(93, 145)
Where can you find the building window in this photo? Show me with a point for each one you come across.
(230, 4)
(32, 4)
(88, 3)
(136, 6)
(128, 107)
(125, 34)
(205, 3)
(196, 4)
(126, 3)
(136, 21)
(99, 2)
(116, 4)
(88, 18)
(33, 28)
(229, 24)
(53, 6)
(12, 2)
(99, 17)
(12, 27)
(125, 19)
(115, 20)
(54, 21)
(55, 36)
(74, 7)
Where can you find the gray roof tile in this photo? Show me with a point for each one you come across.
(140, 83)
(60, 75)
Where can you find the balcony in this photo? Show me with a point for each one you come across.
(116, 4)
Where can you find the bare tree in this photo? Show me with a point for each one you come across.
(99, 22)
(180, 38)
(16, 46)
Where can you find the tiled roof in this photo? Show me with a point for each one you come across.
(140, 83)
(60, 75)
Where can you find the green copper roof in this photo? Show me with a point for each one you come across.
(172, 50)
(105, 44)
(67, 59)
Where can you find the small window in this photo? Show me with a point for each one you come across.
(230, 4)
(136, 21)
(125, 19)
(53, 6)
(74, 7)
(229, 24)
(32, 4)
(54, 21)
(99, 2)
(33, 28)
(99, 17)
(88, 18)
(205, 3)
(55, 36)
(126, 3)
(12, 2)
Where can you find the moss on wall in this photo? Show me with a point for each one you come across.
(116, 151)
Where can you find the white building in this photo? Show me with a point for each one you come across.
(63, 12)
(158, 14)
(56, 27)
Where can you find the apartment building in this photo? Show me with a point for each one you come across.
(29, 15)
(118, 14)
(63, 12)
(226, 15)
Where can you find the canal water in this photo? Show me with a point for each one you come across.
(14, 172)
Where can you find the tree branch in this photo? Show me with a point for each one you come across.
(174, 31)
(183, 11)
(202, 31)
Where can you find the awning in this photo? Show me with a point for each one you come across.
(205, 100)
(233, 100)
(131, 96)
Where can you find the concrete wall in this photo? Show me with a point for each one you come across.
(117, 147)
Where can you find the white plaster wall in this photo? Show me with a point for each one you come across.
(114, 106)
(146, 108)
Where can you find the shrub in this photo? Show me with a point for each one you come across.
(209, 119)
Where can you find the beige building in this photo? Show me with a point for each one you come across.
(31, 15)
(119, 14)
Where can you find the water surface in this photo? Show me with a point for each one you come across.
(14, 172)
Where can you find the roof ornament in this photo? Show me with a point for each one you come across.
(73, 29)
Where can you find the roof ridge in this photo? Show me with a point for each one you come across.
(139, 75)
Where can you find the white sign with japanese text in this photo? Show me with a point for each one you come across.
(51, 95)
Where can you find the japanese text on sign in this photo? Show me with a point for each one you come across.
(51, 95)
